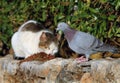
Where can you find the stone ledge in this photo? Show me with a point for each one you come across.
(59, 70)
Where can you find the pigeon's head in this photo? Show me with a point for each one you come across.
(62, 26)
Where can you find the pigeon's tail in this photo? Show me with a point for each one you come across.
(108, 48)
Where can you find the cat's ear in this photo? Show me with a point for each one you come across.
(43, 37)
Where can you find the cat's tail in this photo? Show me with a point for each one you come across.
(31, 25)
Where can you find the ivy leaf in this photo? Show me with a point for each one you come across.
(96, 10)
(117, 5)
(111, 17)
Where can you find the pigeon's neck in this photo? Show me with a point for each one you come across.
(69, 34)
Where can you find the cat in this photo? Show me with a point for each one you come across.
(32, 38)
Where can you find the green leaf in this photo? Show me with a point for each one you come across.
(84, 15)
(96, 10)
(103, 1)
(60, 16)
(117, 5)
(111, 17)
(43, 5)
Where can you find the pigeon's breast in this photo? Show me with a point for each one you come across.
(69, 34)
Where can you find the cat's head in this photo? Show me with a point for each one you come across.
(48, 42)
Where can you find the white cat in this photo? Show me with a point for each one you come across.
(31, 39)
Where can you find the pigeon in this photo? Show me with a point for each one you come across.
(83, 43)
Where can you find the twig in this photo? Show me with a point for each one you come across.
(116, 42)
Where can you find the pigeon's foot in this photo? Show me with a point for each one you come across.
(81, 59)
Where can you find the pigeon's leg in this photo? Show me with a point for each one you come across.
(81, 59)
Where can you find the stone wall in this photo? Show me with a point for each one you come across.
(59, 70)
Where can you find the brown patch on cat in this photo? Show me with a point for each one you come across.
(33, 27)
(46, 39)
(38, 57)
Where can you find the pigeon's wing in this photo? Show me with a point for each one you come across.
(85, 40)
